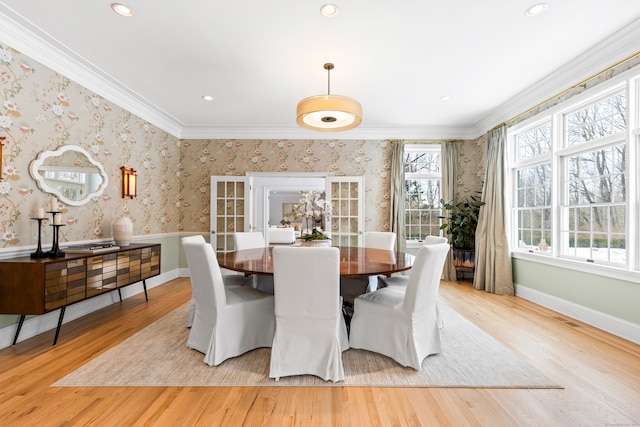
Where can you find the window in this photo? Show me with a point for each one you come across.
(533, 188)
(422, 178)
(570, 179)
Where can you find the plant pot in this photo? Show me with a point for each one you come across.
(464, 259)
(315, 243)
(122, 229)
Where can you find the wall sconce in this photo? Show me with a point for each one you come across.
(128, 182)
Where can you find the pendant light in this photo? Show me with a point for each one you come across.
(329, 113)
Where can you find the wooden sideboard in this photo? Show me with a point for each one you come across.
(34, 286)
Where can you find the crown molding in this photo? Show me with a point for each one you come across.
(29, 39)
(620, 45)
(295, 132)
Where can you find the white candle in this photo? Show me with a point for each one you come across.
(57, 219)
(54, 204)
(40, 213)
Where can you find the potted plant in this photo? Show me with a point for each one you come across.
(315, 238)
(313, 208)
(461, 223)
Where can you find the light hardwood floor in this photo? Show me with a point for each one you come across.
(599, 372)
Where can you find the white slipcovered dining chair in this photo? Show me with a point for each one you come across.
(402, 280)
(251, 240)
(351, 287)
(228, 321)
(400, 322)
(248, 240)
(310, 331)
(229, 280)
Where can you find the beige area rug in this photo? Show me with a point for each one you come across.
(158, 356)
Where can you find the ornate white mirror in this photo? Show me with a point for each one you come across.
(70, 174)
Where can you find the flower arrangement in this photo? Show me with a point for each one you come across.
(313, 208)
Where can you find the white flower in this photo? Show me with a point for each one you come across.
(5, 56)
(203, 159)
(124, 137)
(57, 110)
(10, 105)
(95, 101)
(4, 188)
(9, 235)
(5, 122)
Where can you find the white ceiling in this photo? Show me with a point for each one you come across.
(258, 58)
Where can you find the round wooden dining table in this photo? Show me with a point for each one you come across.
(354, 261)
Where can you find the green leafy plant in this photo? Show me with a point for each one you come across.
(315, 234)
(462, 221)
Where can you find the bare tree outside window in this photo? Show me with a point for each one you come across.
(422, 192)
(596, 182)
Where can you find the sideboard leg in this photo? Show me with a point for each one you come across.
(120, 294)
(55, 340)
(144, 285)
(20, 322)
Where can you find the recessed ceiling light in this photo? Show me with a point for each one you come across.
(207, 97)
(121, 9)
(329, 10)
(536, 9)
(445, 98)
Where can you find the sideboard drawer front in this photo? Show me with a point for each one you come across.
(150, 262)
(55, 300)
(76, 263)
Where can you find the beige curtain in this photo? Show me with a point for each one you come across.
(449, 160)
(396, 217)
(493, 260)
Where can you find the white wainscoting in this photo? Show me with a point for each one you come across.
(614, 325)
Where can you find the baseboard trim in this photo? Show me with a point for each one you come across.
(39, 324)
(614, 325)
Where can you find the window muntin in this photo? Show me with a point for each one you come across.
(595, 212)
(533, 211)
(597, 120)
(535, 142)
(422, 191)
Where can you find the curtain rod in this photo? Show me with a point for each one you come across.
(582, 83)
(431, 141)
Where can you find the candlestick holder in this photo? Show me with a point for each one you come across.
(55, 251)
(39, 252)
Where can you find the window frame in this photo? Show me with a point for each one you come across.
(422, 148)
(629, 82)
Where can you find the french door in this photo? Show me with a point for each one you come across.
(232, 208)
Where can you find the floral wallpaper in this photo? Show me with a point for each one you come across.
(471, 166)
(43, 110)
(200, 159)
